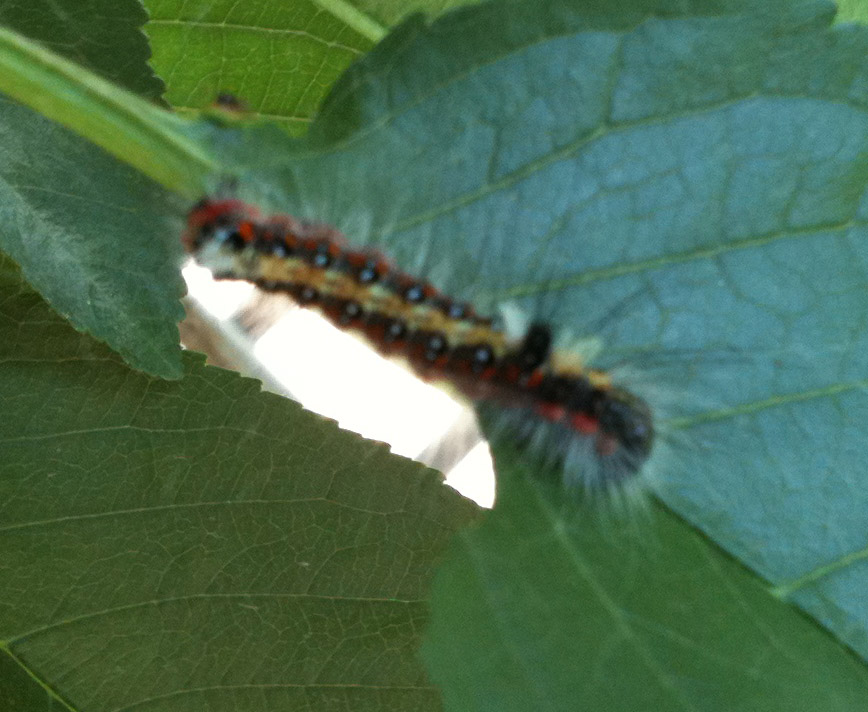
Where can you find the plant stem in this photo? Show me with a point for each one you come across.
(148, 138)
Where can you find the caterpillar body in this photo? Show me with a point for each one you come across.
(600, 433)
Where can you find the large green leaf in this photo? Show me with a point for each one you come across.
(198, 544)
(687, 185)
(96, 238)
(544, 608)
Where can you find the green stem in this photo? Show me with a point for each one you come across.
(143, 135)
(354, 18)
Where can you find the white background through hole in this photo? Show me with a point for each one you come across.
(335, 374)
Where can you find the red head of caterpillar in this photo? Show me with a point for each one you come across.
(547, 399)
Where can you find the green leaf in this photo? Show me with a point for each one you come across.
(852, 10)
(687, 186)
(685, 183)
(199, 544)
(279, 58)
(543, 608)
(95, 237)
(103, 35)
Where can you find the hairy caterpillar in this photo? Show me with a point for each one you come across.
(547, 397)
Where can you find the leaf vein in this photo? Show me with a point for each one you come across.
(256, 29)
(156, 602)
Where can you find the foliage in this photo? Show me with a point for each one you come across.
(682, 180)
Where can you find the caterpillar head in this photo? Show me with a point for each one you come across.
(627, 419)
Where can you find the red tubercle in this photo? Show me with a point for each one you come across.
(551, 411)
(395, 346)
(375, 331)
(488, 374)
(534, 379)
(440, 362)
(511, 373)
(584, 423)
(374, 259)
(333, 311)
(246, 231)
(357, 259)
(209, 211)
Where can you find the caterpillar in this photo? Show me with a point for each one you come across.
(547, 397)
